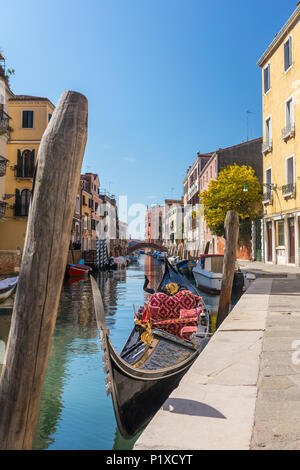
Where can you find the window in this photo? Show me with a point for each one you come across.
(267, 78)
(22, 202)
(268, 130)
(288, 54)
(49, 117)
(268, 183)
(279, 232)
(77, 210)
(25, 165)
(83, 200)
(25, 201)
(289, 113)
(290, 170)
(27, 119)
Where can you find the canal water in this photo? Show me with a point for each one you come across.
(75, 413)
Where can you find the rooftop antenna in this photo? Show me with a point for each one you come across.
(247, 119)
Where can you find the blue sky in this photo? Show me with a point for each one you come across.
(164, 78)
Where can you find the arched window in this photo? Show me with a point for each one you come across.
(25, 201)
(25, 167)
(26, 157)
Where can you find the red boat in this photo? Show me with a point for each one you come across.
(77, 270)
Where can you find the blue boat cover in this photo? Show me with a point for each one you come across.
(8, 282)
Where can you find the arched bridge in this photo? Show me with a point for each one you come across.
(143, 245)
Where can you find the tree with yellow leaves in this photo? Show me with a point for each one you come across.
(236, 188)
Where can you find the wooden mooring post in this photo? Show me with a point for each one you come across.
(231, 235)
(42, 271)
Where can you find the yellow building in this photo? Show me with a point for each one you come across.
(29, 117)
(86, 218)
(5, 95)
(280, 66)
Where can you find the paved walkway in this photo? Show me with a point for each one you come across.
(277, 413)
(268, 270)
(243, 392)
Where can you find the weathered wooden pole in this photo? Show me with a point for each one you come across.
(231, 235)
(42, 271)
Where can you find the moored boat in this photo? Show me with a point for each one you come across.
(7, 287)
(183, 265)
(150, 365)
(77, 270)
(208, 274)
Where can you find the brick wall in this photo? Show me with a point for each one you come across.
(10, 261)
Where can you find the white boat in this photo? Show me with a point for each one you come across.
(208, 274)
(7, 287)
(173, 260)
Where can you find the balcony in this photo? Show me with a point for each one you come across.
(289, 190)
(3, 162)
(267, 198)
(4, 121)
(288, 132)
(266, 147)
(2, 208)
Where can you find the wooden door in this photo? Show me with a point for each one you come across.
(269, 241)
(291, 230)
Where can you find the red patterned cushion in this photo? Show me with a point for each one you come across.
(163, 306)
(188, 313)
(183, 328)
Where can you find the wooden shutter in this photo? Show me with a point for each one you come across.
(31, 169)
(18, 203)
(290, 51)
(19, 164)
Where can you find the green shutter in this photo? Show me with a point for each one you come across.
(19, 164)
(31, 169)
(17, 203)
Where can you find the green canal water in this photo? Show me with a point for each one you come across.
(75, 413)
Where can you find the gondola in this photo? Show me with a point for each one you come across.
(142, 376)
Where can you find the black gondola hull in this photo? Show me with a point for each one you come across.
(137, 394)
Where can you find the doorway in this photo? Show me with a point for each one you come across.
(291, 232)
(269, 241)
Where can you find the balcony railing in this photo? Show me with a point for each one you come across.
(267, 198)
(3, 162)
(2, 208)
(288, 132)
(288, 190)
(4, 121)
(266, 147)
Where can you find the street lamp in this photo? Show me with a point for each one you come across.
(268, 185)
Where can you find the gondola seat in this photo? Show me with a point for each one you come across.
(177, 314)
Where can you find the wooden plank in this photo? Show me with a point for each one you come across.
(42, 271)
(231, 235)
